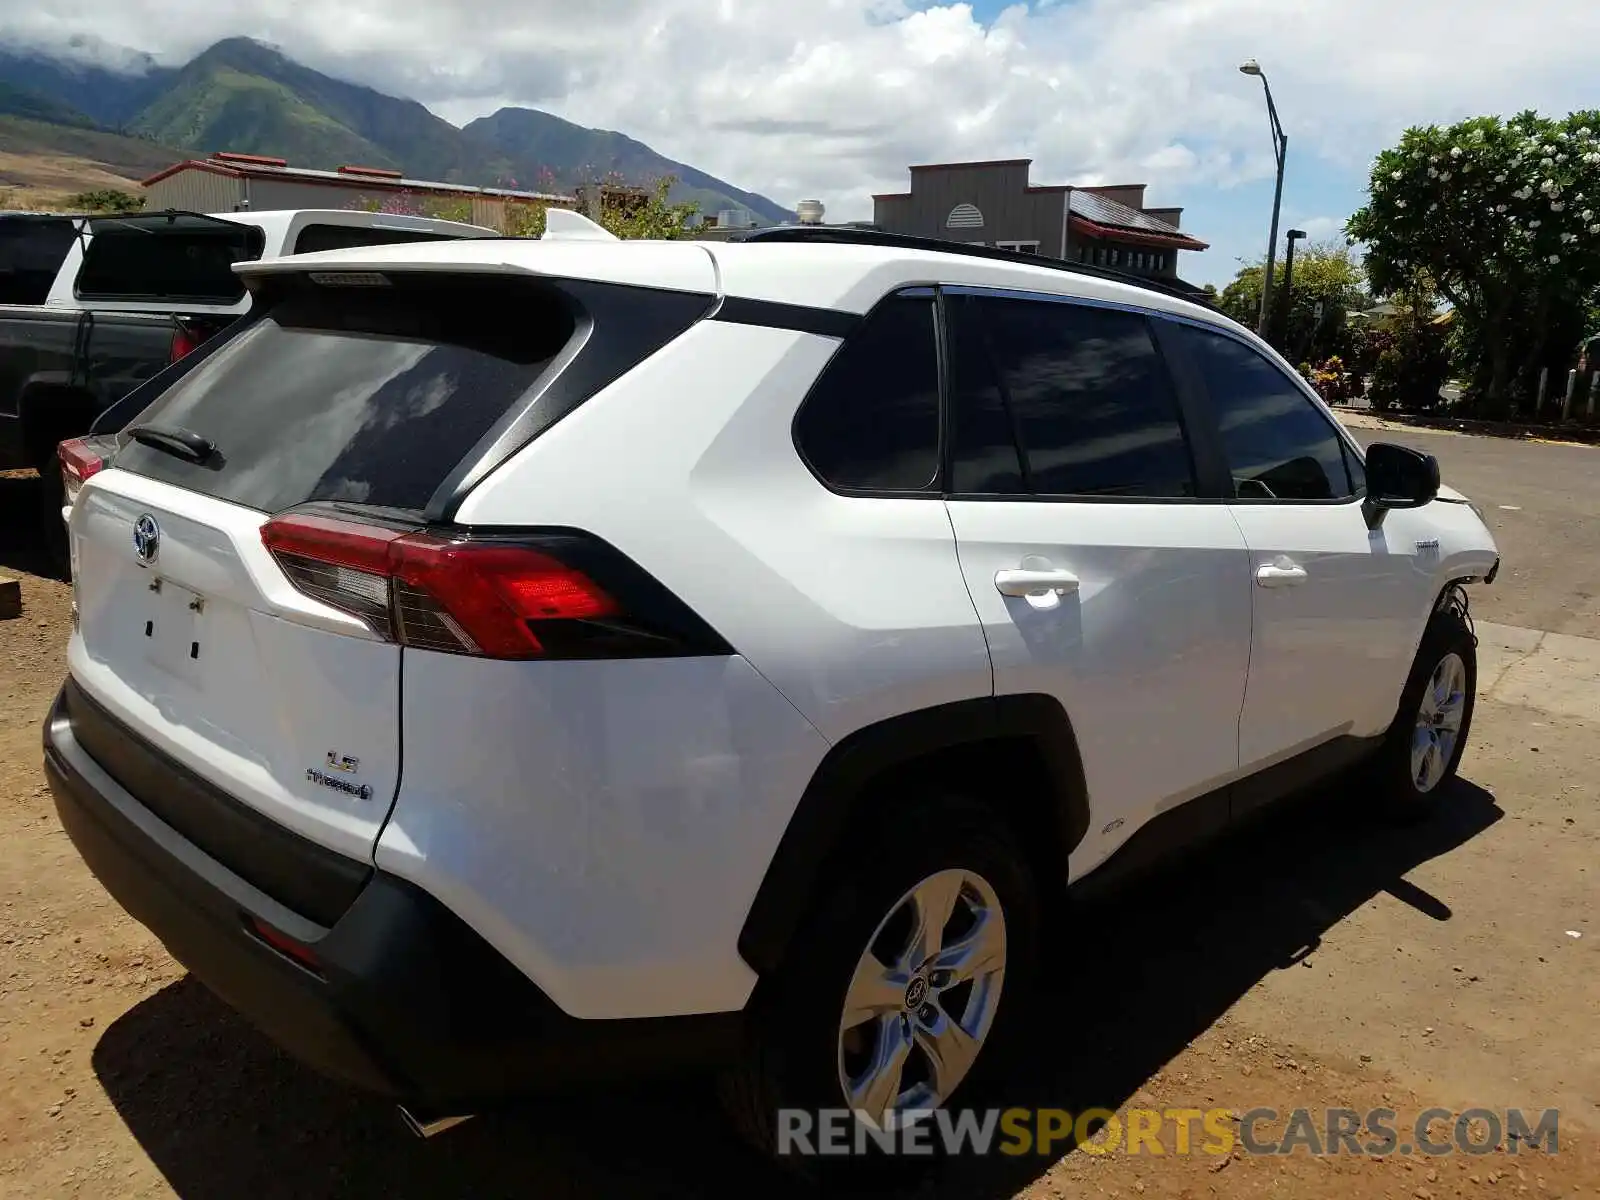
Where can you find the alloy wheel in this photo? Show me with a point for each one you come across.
(923, 997)
(1438, 729)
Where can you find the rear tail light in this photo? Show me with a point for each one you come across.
(78, 463)
(184, 342)
(285, 945)
(556, 595)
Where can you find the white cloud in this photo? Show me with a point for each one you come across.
(833, 99)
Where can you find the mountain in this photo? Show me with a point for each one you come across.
(31, 106)
(526, 135)
(106, 84)
(245, 96)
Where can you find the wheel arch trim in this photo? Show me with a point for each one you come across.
(839, 791)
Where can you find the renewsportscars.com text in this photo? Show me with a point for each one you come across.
(1179, 1131)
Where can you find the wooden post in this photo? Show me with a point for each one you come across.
(1594, 390)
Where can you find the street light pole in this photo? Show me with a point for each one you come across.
(1280, 150)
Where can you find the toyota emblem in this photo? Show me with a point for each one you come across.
(146, 539)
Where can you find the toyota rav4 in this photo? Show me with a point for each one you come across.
(503, 665)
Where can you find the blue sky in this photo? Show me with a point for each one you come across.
(832, 100)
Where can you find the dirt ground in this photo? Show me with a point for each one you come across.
(1319, 961)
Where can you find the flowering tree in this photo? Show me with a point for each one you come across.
(1501, 219)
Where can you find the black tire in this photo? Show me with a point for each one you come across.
(1449, 632)
(52, 531)
(792, 1061)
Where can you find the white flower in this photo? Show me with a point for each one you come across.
(1549, 149)
(1395, 175)
(1568, 237)
(1433, 158)
(1500, 178)
(1594, 229)
(1588, 214)
(1433, 207)
(1499, 208)
(1554, 259)
(1547, 163)
(1433, 172)
(1455, 152)
(1445, 177)
(1584, 132)
(1535, 224)
(1561, 158)
(1556, 206)
(1399, 203)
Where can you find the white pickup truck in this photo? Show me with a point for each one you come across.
(135, 294)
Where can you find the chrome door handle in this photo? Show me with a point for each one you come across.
(1282, 573)
(1025, 582)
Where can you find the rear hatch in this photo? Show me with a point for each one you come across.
(341, 400)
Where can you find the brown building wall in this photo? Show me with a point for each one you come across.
(195, 191)
(1010, 211)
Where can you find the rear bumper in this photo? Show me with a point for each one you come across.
(404, 999)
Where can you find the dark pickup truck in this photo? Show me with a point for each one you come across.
(135, 294)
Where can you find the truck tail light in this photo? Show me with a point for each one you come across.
(551, 595)
(184, 342)
(78, 464)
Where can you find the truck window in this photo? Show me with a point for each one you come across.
(339, 237)
(161, 256)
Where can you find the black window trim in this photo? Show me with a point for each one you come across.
(934, 489)
(1213, 484)
(1207, 415)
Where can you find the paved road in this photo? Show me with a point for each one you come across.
(1543, 503)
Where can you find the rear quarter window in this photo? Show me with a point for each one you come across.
(370, 395)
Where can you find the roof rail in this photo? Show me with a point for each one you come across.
(856, 236)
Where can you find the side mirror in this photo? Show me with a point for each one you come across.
(1398, 477)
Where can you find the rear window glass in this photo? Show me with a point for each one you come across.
(339, 237)
(182, 258)
(370, 395)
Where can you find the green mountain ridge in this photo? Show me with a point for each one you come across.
(244, 96)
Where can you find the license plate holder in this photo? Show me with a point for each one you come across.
(173, 624)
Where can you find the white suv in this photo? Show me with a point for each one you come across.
(503, 664)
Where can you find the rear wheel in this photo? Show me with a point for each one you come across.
(902, 990)
(1423, 748)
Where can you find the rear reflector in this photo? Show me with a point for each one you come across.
(284, 944)
(492, 598)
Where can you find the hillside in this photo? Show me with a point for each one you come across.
(526, 135)
(42, 164)
(242, 95)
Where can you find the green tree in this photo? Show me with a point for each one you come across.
(631, 211)
(1502, 218)
(1328, 283)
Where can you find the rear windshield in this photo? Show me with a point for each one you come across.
(180, 258)
(370, 395)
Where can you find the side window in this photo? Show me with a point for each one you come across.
(871, 421)
(1062, 400)
(1279, 446)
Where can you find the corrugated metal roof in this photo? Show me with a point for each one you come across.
(1092, 206)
